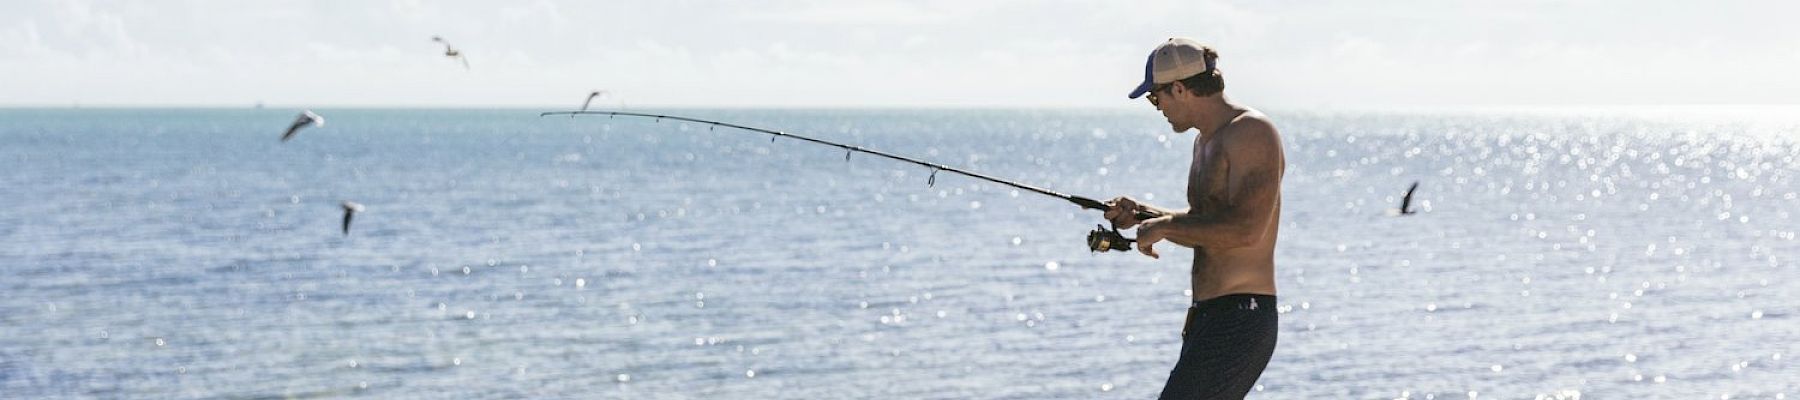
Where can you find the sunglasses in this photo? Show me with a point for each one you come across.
(1154, 101)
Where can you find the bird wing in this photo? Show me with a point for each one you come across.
(590, 99)
(465, 61)
(448, 50)
(300, 122)
(1406, 202)
(348, 213)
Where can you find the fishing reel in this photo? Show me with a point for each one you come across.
(1103, 239)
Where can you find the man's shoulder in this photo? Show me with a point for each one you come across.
(1251, 120)
(1250, 129)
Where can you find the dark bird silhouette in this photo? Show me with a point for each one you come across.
(1406, 202)
(350, 210)
(306, 118)
(450, 51)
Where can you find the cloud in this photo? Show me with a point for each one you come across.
(535, 12)
(1356, 48)
(78, 29)
(889, 52)
(22, 41)
(879, 12)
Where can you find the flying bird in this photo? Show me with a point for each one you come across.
(306, 118)
(450, 51)
(350, 210)
(1406, 202)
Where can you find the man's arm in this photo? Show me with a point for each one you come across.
(1253, 183)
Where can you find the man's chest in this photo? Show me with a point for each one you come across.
(1208, 175)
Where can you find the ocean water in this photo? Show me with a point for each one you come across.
(187, 253)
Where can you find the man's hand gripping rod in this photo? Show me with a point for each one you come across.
(1102, 238)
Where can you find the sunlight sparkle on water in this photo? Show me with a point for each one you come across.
(1661, 252)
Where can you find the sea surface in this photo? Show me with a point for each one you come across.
(188, 253)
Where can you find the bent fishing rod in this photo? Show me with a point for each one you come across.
(1101, 239)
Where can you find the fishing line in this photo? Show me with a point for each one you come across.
(1100, 239)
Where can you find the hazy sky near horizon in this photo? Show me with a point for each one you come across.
(930, 53)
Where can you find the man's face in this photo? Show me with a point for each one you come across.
(1171, 99)
(1155, 96)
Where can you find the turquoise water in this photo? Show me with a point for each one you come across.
(189, 253)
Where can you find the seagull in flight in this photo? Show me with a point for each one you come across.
(350, 210)
(306, 118)
(1406, 202)
(450, 51)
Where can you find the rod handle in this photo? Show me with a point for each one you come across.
(1097, 205)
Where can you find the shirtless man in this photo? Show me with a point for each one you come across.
(1234, 198)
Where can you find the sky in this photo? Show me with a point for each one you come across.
(847, 53)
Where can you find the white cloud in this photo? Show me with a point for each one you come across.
(81, 30)
(880, 12)
(885, 52)
(540, 11)
(1354, 48)
(22, 41)
(915, 41)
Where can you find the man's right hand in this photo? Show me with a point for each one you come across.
(1122, 211)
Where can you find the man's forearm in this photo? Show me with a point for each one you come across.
(1163, 212)
(1221, 230)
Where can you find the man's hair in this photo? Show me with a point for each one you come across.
(1209, 82)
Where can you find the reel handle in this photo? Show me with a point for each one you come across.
(1144, 215)
(1103, 239)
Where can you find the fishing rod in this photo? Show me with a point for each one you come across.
(1101, 239)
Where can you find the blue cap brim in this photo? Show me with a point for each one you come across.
(1149, 81)
(1141, 89)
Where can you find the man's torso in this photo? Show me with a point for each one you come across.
(1246, 270)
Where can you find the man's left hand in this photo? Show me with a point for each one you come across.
(1149, 232)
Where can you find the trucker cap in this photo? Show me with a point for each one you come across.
(1176, 59)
